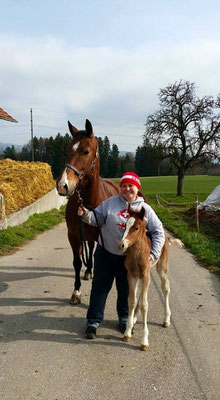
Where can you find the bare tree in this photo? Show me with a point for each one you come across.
(187, 126)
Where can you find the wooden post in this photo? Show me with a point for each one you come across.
(156, 197)
(197, 214)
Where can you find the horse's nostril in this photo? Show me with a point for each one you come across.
(122, 245)
(65, 187)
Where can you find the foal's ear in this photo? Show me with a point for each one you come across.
(89, 130)
(130, 210)
(72, 129)
(141, 213)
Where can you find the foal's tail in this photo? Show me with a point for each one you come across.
(177, 241)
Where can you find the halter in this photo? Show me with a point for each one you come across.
(83, 173)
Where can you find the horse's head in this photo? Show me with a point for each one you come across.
(134, 228)
(81, 159)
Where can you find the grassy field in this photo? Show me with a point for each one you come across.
(205, 245)
(193, 184)
(200, 185)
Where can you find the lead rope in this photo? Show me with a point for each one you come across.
(85, 256)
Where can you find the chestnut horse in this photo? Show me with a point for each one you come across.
(138, 246)
(81, 179)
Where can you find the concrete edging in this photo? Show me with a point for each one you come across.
(46, 203)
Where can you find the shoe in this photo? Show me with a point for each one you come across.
(90, 332)
(122, 327)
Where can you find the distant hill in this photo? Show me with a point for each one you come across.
(122, 153)
(3, 146)
(18, 147)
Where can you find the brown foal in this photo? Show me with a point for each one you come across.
(138, 247)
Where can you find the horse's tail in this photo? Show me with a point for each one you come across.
(177, 241)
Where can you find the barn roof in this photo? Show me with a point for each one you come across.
(4, 115)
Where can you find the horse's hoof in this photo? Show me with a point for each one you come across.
(75, 299)
(87, 276)
(126, 338)
(144, 347)
(166, 324)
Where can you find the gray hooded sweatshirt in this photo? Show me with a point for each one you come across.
(112, 215)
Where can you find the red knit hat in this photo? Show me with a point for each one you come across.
(132, 178)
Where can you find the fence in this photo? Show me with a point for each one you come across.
(195, 203)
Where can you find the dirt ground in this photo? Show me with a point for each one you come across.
(210, 219)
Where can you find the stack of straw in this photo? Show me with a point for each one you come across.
(23, 182)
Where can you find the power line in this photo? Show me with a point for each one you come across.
(32, 137)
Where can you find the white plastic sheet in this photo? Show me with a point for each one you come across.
(212, 203)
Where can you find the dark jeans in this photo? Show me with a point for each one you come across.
(107, 266)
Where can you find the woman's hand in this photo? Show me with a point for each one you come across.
(82, 211)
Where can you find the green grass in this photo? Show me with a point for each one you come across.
(193, 184)
(13, 237)
(203, 245)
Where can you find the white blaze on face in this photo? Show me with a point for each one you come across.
(129, 224)
(64, 180)
(75, 146)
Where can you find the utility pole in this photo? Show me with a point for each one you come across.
(32, 138)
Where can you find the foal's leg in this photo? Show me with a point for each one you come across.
(89, 265)
(132, 303)
(162, 269)
(136, 313)
(144, 310)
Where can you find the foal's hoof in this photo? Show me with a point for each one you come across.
(87, 276)
(75, 299)
(144, 347)
(166, 324)
(126, 338)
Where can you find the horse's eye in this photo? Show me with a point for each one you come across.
(86, 152)
(136, 229)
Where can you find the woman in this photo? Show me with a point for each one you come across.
(112, 215)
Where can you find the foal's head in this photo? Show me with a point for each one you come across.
(135, 227)
(81, 159)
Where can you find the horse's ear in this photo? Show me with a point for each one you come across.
(142, 213)
(89, 130)
(72, 129)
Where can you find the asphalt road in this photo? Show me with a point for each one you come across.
(43, 352)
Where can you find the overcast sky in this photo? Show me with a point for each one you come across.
(104, 60)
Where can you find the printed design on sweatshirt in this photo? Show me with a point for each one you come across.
(123, 214)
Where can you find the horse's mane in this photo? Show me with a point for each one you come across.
(81, 134)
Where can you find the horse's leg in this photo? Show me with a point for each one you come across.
(144, 310)
(132, 304)
(89, 265)
(77, 264)
(162, 269)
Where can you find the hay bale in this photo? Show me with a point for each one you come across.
(23, 182)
